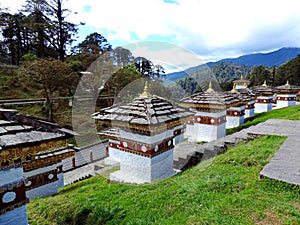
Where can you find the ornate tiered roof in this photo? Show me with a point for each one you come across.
(22, 137)
(19, 129)
(212, 100)
(287, 88)
(145, 114)
(263, 89)
(247, 94)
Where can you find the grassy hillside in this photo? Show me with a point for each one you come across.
(228, 191)
(289, 113)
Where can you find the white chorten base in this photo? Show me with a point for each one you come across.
(207, 133)
(285, 100)
(121, 177)
(249, 113)
(202, 130)
(263, 104)
(139, 169)
(18, 216)
(114, 156)
(109, 161)
(235, 117)
(178, 139)
(190, 132)
(249, 109)
(234, 121)
(260, 107)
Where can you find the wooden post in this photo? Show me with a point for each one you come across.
(91, 155)
(73, 162)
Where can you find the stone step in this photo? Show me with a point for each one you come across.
(188, 158)
(183, 149)
(189, 161)
(80, 179)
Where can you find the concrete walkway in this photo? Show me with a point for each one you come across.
(285, 165)
(86, 171)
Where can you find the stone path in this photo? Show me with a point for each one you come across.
(284, 166)
(86, 171)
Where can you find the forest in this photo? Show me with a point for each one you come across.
(39, 58)
(225, 73)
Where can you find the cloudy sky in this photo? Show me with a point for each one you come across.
(209, 29)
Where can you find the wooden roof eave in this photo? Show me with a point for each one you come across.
(148, 129)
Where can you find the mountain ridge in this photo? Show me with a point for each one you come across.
(269, 59)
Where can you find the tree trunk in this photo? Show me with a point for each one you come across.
(61, 41)
(50, 105)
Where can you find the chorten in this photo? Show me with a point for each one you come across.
(263, 101)
(241, 83)
(249, 98)
(286, 95)
(31, 151)
(141, 137)
(235, 114)
(209, 122)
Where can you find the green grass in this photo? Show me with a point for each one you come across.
(289, 113)
(226, 190)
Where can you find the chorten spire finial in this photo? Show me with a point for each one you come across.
(210, 88)
(265, 83)
(287, 83)
(146, 92)
(233, 88)
(242, 78)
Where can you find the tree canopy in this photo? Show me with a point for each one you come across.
(39, 28)
(51, 77)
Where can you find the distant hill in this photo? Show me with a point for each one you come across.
(275, 58)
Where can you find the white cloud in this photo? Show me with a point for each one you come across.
(210, 28)
(168, 55)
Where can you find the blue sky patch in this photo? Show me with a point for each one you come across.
(175, 2)
(87, 8)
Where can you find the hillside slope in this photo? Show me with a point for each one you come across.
(275, 58)
(225, 190)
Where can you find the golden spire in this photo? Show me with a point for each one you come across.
(233, 89)
(242, 78)
(210, 89)
(287, 83)
(265, 83)
(146, 92)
